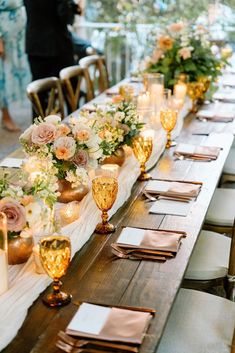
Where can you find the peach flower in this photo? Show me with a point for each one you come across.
(165, 42)
(43, 133)
(176, 27)
(83, 135)
(15, 213)
(63, 130)
(157, 54)
(185, 53)
(64, 147)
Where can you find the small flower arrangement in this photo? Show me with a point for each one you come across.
(70, 148)
(28, 206)
(115, 126)
(181, 48)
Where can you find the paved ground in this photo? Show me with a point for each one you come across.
(9, 141)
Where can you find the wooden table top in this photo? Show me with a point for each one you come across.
(96, 276)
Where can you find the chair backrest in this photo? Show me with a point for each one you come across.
(72, 78)
(231, 266)
(46, 96)
(96, 65)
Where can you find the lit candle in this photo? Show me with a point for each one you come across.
(148, 133)
(180, 90)
(143, 101)
(156, 93)
(69, 213)
(110, 170)
(3, 254)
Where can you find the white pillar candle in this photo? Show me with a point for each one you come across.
(156, 93)
(110, 170)
(148, 133)
(143, 101)
(180, 90)
(3, 272)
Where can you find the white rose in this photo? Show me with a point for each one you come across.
(27, 133)
(53, 119)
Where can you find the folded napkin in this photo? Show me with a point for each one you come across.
(224, 117)
(169, 207)
(161, 240)
(173, 188)
(225, 96)
(109, 323)
(11, 162)
(197, 152)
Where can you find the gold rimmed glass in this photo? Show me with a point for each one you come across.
(104, 191)
(168, 118)
(55, 253)
(142, 147)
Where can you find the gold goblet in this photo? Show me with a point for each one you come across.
(142, 147)
(168, 118)
(55, 252)
(195, 92)
(205, 81)
(104, 191)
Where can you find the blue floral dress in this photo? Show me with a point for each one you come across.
(14, 69)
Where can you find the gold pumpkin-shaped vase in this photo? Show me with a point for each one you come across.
(19, 250)
(117, 158)
(68, 194)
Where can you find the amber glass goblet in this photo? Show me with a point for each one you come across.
(168, 118)
(205, 81)
(104, 191)
(195, 92)
(142, 147)
(55, 253)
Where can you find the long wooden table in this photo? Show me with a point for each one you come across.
(95, 275)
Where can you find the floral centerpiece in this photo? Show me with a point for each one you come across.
(29, 210)
(115, 126)
(70, 148)
(181, 48)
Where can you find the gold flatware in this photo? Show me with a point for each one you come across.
(167, 197)
(99, 343)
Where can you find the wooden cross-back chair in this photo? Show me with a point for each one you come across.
(212, 263)
(96, 65)
(46, 96)
(74, 79)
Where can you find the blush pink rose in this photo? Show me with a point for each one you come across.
(81, 158)
(15, 213)
(44, 133)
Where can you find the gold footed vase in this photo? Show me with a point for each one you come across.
(19, 250)
(69, 194)
(118, 158)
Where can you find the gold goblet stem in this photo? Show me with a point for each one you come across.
(168, 143)
(194, 106)
(104, 217)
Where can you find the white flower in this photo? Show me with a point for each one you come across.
(119, 116)
(26, 233)
(26, 136)
(33, 211)
(77, 178)
(53, 119)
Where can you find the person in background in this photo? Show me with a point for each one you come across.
(14, 70)
(48, 41)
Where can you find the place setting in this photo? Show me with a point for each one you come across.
(147, 244)
(171, 197)
(196, 153)
(102, 328)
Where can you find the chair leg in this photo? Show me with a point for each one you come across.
(230, 289)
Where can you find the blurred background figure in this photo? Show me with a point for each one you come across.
(14, 70)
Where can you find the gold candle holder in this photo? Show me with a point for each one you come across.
(142, 146)
(104, 191)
